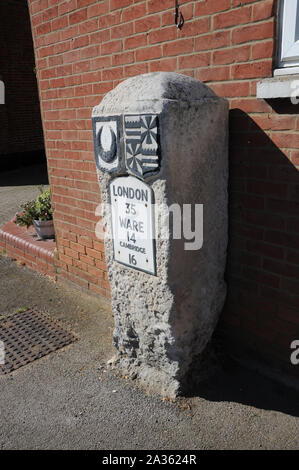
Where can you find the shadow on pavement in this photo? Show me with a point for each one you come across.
(227, 381)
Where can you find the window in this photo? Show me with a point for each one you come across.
(288, 51)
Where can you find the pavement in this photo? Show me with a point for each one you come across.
(70, 399)
(20, 186)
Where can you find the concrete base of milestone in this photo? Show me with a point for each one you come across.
(164, 321)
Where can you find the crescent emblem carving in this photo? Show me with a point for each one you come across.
(107, 155)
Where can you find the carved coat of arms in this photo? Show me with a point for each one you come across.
(106, 131)
(140, 134)
(142, 144)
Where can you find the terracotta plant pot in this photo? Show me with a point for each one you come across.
(44, 228)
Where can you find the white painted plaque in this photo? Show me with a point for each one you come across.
(133, 223)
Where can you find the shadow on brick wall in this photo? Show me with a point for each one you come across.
(21, 134)
(261, 315)
(34, 174)
(262, 308)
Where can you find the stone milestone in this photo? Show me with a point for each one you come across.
(160, 140)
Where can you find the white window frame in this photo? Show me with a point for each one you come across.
(288, 50)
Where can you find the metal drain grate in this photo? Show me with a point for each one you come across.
(29, 335)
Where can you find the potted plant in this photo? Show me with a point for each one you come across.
(39, 214)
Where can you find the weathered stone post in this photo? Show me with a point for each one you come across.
(161, 140)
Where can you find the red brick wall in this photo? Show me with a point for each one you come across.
(20, 119)
(84, 48)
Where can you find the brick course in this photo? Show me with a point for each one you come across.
(84, 48)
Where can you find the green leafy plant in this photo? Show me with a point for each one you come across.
(38, 209)
(22, 309)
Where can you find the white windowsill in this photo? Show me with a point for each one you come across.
(286, 71)
(279, 86)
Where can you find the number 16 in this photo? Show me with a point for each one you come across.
(132, 260)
